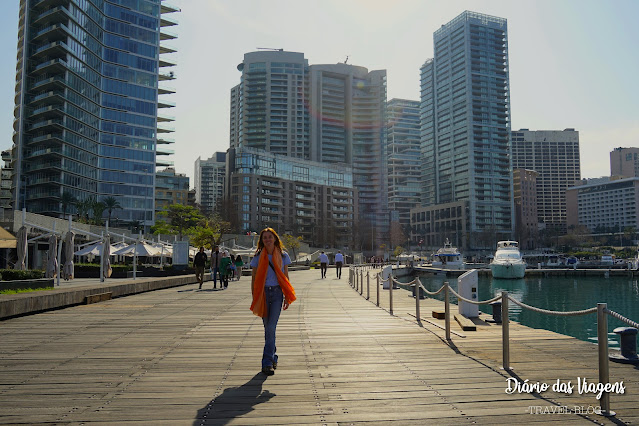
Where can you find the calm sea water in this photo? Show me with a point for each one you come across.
(558, 294)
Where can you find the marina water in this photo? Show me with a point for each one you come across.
(556, 294)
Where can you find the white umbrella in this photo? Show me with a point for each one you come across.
(141, 249)
(52, 264)
(105, 258)
(21, 248)
(94, 249)
(67, 271)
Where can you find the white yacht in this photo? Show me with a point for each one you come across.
(508, 262)
(448, 257)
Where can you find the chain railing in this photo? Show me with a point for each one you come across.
(601, 310)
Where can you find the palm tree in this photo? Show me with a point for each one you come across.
(110, 203)
(98, 208)
(83, 207)
(67, 200)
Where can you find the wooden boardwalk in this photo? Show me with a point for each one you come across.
(182, 356)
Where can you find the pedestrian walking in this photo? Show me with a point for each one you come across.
(323, 264)
(199, 262)
(216, 258)
(225, 269)
(238, 266)
(272, 291)
(339, 261)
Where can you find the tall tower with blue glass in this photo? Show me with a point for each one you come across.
(465, 134)
(86, 117)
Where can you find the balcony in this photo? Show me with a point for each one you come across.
(167, 22)
(166, 35)
(166, 63)
(165, 141)
(165, 91)
(165, 129)
(165, 104)
(166, 49)
(56, 15)
(168, 8)
(56, 65)
(167, 76)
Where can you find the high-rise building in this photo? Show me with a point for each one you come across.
(170, 188)
(210, 178)
(465, 135)
(403, 159)
(86, 117)
(316, 201)
(624, 162)
(324, 113)
(525, 198)
(554, 155)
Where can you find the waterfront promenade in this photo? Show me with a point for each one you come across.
(183, 356)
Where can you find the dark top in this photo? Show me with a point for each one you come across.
(200, 259)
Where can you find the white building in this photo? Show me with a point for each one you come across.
(210, 177)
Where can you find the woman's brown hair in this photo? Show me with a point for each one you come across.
(278, 242)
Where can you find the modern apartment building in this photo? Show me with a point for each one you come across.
(465, 134)
(525, 198)
(624, 162)
(554, 155)
(5, 180)
(604, 205)
(87, 98)
(333, 114)
(317, 201)
(170, 188)
(434, 224)
(403, 159)
(210, 178)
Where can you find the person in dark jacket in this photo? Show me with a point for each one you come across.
(199, 262)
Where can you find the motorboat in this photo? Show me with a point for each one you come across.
(507, 262)
(448, 257)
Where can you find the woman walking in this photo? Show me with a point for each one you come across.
(271, 290)
(238, 266)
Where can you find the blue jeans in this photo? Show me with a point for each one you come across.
(216, 271)
(274, 301)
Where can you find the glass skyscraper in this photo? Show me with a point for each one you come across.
(86, 116)
(465, 135)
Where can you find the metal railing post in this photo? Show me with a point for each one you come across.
(604, 372)
(505, 331)
(418, 291)
(368, 286)
(361, 287)
(447, 310)
(377, 274)
(390, 292)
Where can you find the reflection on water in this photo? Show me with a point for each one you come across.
(557, 294)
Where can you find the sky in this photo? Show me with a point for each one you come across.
(573, 63)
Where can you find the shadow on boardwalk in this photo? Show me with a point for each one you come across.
(234, 402)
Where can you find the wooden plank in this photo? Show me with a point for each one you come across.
(97, 297)
(465, 323)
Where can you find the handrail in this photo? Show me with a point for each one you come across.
(601, 310)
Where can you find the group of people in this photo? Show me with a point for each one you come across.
(223, 265)
(339, 262)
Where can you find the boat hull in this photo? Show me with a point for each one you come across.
(508, 270)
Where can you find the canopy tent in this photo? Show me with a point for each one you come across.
(140, 249)
(95, 249)
(6, 239)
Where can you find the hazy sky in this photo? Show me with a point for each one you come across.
(573, 63)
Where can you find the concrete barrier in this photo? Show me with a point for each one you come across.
(12, 305)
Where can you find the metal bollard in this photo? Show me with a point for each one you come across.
(602, 343)
(417, 298)
(390, 292)
(627, 345)
(505, 331)
(368, 286)
(496, 313)
(377, 289)
(447, 310)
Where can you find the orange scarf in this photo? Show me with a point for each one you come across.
(259, 299)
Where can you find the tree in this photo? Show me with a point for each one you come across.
(98, 208)
(67, 200)
(84, 207)
(292, 243)
(398, 250)
(181, 220)
(110, 203)
(210, 231)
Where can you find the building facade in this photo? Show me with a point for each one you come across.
(170, 188)
(86, 117)
(313, 200)
(210, 178)
(333, 114)
(624, 162)
(403, 160)
(465, 134)
(604, 205)
(525, 198)
(554, 155)
(432, 225)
